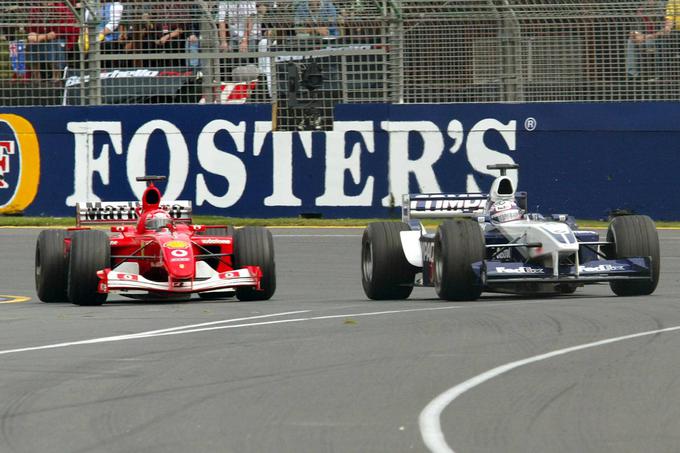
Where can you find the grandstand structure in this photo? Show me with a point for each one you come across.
(303, 57)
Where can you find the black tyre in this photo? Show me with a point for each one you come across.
(634, 235)
(254, 246)
(90, 252)
(51, 264)
(567, 288)
(457, 245)
(385, 272)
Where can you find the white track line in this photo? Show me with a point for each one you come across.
(146, 334)
(212, 323)
(429, 420)
(180, 330)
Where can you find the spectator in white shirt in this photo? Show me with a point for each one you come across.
(236, 20)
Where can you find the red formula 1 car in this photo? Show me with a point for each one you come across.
(152, 252)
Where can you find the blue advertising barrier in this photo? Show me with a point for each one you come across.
(581, 159)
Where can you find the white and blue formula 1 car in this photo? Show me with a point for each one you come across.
(489, 243)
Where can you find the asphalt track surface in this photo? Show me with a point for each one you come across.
(321, 369)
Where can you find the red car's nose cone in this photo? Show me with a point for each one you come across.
(178, 256)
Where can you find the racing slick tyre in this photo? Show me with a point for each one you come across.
(567, 288)
(634, 235)
(385, 272)
(254, 246)
(90, 252)
(457, 245)
(50, 266)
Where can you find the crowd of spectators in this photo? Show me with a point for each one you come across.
(49, 36)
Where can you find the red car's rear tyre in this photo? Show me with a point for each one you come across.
(254, 246)
(90, 252)
(51, 265)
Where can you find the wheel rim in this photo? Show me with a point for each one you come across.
(367, 261)
(37, 267)
(438, 266)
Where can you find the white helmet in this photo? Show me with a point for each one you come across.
(504, 211)
(158, 220)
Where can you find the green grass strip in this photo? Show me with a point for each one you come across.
(20, 221)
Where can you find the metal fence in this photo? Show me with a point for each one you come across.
(305, 56)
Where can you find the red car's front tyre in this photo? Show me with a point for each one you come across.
(254, 246)
(90, 252)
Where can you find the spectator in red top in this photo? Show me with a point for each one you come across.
(52, 36)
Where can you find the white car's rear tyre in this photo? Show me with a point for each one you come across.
(634, 235)
(385, 272)
(457, 245)
(90, 252)
(254, 246)
(51, 265)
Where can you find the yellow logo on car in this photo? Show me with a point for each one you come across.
(176, 244)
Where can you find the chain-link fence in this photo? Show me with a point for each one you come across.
(305, 56)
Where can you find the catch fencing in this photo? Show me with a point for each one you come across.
(303, 57)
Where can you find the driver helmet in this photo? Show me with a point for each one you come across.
(504, 211)
(158, 220)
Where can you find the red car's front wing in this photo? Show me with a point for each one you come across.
(112, 280)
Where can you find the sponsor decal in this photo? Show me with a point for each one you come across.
(346, 181)
(448, 205)
(179, 253)
(215, 241)
(181, 284)
(176, 244)
(130, 277)
(121, 74)
(602, 268)
(19, 164)
(519, 270)
(126, 211)
(177, 260)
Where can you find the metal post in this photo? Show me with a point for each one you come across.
(512, 89)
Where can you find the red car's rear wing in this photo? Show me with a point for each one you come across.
(114, 212)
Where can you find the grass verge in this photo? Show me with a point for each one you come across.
(20, 221)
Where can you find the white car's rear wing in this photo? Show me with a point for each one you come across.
(114, 212)
(442, 205)
(448, 205)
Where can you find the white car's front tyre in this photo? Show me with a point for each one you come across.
(631, 236)
(457, 245)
